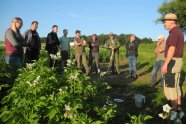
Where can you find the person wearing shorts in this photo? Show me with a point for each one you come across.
(173, 61)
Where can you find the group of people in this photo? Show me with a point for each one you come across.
(28, 45)
(170, 60)
(169, 53)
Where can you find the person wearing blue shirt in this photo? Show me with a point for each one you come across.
(65, 48)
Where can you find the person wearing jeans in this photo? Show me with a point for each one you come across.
(132, 65)
(159, 51)
(132, 54)
(157, 66)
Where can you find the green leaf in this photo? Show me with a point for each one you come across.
(52, 113)
(42, 98)
(147, 117)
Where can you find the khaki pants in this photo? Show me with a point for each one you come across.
(94, 56)
(175, 92)
(114, 61)
(81, 58)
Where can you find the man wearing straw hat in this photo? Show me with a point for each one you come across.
(113, 45)
(173, 61)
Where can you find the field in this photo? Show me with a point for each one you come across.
(124, 87)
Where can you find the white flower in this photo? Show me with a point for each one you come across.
(52, 56)
(60, 90)
(38, 77)
(30, 65)
(102, 74)
(166, 108)
(58, 55)
(173, 115)
(74, 77)
(163, 116)
(28, 82)
(67, 107)
(68, 62)
(36, 80)
(181, 114)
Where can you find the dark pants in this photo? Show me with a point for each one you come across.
(52, 50)
(31, 55)
(65, 55)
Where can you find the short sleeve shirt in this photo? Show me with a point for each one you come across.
(176, 39)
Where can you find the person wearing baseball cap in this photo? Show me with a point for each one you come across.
(113, 45)
(173, 60)
(159, 51)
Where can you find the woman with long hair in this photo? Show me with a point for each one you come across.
(14, 44)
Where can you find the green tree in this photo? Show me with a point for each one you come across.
(175, 6)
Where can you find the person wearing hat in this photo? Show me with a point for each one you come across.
(159, 51)
(80, 52)
(113, 45)
(131, 55)
(173, 60)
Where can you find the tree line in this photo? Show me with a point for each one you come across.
(104, 37)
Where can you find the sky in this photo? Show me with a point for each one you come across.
(90, 16)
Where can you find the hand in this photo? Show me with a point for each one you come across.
(158, 43)
(110, 47)
(92, 44)
(164, 69)
(83, 43)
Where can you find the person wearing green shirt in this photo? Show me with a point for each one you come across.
(80, 52)
(113, 45)
(65, 48)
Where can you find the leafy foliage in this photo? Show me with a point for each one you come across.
(175, 6)
(140, 119)
(40, 95)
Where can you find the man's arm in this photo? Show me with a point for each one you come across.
(160, 50)
(117, 44)
(170, 55)
(77, 44)
(84, 43)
